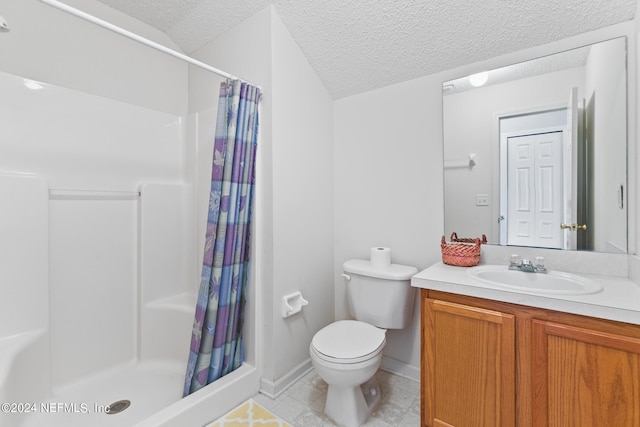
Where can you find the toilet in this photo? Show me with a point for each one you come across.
(346, 354)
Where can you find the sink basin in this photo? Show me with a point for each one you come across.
(553, 282)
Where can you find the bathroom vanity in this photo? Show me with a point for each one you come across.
(498, 356)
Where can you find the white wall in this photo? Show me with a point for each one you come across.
(302, 200)
(388, 186)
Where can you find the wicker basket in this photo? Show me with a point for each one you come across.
(460, 253)
(456, 239)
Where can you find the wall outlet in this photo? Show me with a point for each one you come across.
(482, 200)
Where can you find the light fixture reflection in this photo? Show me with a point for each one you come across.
(32, 84)
(479, 79)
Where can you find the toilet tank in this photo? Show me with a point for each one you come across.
(380, 295)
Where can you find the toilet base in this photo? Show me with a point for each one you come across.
(351, 406)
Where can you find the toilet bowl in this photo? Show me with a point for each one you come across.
(346, 355)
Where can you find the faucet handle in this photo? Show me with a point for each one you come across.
(515, 260)
(539, 261)
(539, 265)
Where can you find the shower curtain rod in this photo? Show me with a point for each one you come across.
(133, 36)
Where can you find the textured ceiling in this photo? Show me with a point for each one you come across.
(357, 46)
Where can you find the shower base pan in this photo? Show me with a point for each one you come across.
(123, 396)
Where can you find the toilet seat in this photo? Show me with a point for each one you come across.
(348, 341)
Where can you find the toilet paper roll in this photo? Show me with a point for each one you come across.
(380, 256)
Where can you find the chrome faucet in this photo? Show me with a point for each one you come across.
(517, 263)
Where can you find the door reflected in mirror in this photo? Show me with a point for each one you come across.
(537, 154)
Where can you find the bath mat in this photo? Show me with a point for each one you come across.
(249, 414)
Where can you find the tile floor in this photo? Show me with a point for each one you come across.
(302, 403)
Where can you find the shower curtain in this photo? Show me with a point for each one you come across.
(216, 339)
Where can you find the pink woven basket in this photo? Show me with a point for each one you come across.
(460, 253)
(456, 239)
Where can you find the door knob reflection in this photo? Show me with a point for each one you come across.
(574, 227)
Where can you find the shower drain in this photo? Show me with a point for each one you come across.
(119, 406)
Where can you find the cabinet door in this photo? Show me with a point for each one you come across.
(583, 377)
(468, 366)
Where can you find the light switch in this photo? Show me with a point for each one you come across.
(482, 200)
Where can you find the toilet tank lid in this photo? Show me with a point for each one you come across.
(389, 272)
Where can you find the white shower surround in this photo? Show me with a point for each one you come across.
(100, 265)
(113, 140)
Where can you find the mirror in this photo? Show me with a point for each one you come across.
(537, 154)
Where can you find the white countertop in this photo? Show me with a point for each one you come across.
(619, 299)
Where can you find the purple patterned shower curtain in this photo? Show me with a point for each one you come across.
(216, 339)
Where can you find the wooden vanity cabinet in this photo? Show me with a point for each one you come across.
(488, 363)
(468, 367)
(584, 377)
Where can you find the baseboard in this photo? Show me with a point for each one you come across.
(275, 388)
(400, 368)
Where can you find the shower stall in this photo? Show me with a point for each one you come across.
(105, 160)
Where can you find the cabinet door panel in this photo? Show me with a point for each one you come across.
(584, 378)
(470, 362)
